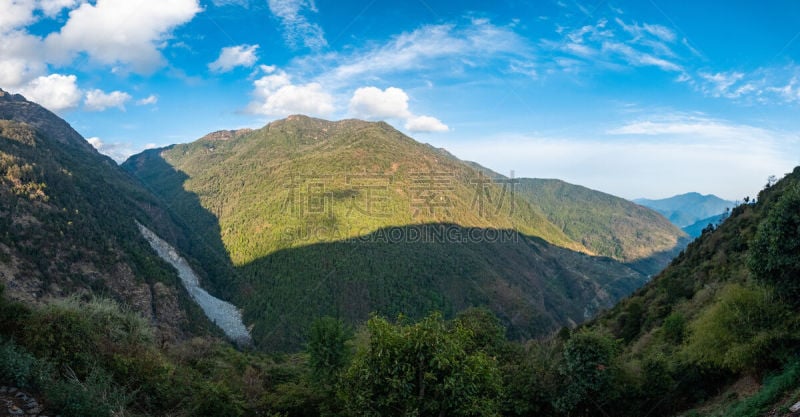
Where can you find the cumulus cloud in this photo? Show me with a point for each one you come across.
(297, 29)
(372, 103)
(276, 95)
(235, 56)
(425, 124)
(21, 59)
(149, 100)
(52, 8)
(121, 32)
(55, 92)
(16, 13)
(99, 100)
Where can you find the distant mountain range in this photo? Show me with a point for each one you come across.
(692, 212)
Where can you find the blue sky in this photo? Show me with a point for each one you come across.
(636, 98)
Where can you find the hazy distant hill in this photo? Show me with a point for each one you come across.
(306, 208)
(685, 209)
(696, 229)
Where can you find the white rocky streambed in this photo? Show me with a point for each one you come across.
(222, 313)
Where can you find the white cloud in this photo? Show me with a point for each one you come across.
(149, 100)
(55, 92)
(645, 45)
(118, 151)
(98, 100)
(52, 8)
(235, 56)
(638, 58)
(430, 47)
(372, 103)
(21, 59)
(691, 126)
(16, 14)
(121, 32)
(276, 95)
(719, 84)
(425, 124)
(638, 31)
(296, 26)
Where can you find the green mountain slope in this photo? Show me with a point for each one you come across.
(722, 314)
(608, 225)
(67, 222)
(685, 209)
(286, 202)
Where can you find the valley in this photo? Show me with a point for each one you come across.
(318, 247)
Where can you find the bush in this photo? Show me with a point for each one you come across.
(96, 396)
(736, 332)
(18, 367)
(424, 369)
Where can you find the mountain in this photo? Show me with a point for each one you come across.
(685, 209)
(696, 229)
(68, 223)
(607, 225)
(718, 328)
(351, 217)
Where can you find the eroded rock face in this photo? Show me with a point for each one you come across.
(225, 315)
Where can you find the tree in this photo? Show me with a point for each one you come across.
(587, 372)
(327, 350)
(775, 251)
(422, 369)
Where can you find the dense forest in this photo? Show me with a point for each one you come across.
(723, 313)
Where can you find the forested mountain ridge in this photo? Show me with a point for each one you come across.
(306, 208)
(68, 222)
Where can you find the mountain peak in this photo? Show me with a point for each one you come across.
(226, 134)
(17, 108)
(6, 96)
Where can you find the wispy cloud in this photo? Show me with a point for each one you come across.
(763, 85)
(615, 46)
(448, 47)
(297, 28)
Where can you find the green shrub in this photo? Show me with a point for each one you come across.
(674, 328)
(421, 369)
(18, 367)
(96, 396)
(738, 330)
